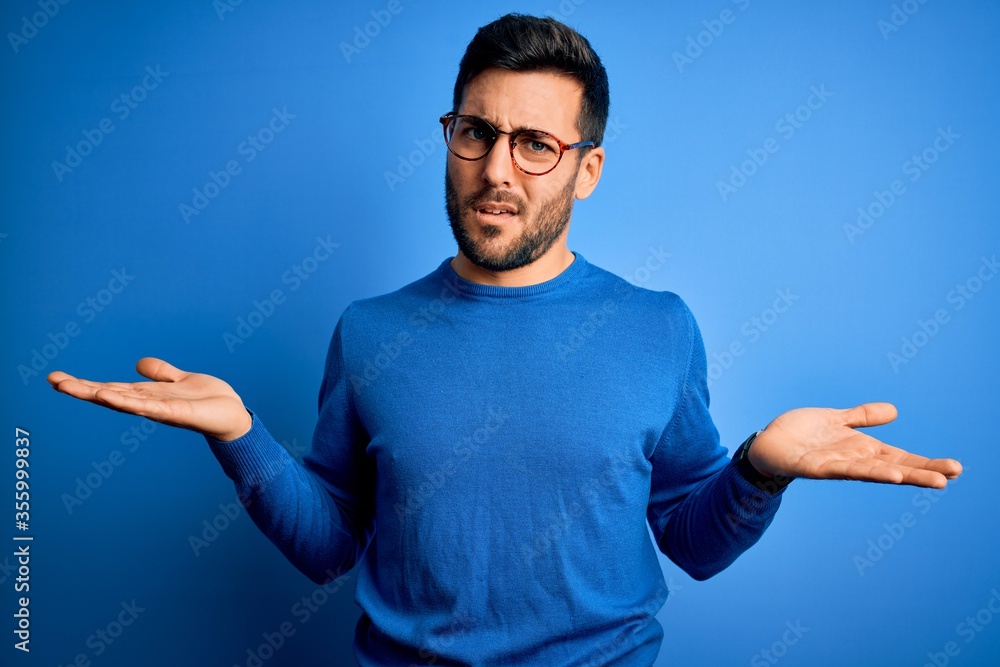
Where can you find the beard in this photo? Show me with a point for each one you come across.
(538, 234)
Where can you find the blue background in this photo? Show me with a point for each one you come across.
(361, 162)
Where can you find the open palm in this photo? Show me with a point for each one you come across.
(194, 401)
(822, 443)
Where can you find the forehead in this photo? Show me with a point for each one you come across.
(540, 100)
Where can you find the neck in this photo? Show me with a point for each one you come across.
(546, 267)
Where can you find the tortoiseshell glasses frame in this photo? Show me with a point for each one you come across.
(539, 148)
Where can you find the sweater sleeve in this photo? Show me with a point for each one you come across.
(320, 513)
(702, 511)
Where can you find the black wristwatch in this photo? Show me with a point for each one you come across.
(742, 462)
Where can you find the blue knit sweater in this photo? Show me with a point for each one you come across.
(491, 456)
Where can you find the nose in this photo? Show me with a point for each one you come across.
(498, 170)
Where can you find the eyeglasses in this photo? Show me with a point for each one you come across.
(532, 151)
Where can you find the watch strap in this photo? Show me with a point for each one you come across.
(771, 485)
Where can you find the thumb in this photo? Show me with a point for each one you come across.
(869, 414)
(158, 369)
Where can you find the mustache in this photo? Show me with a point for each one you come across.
(491, 196)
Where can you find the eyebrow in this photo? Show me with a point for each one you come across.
(519, 128)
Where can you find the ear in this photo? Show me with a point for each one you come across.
(589, 172)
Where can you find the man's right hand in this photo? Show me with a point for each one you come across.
(194, 401)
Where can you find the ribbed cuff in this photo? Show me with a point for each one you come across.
(751, 498)
(254, 458)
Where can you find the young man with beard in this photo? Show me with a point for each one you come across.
(493, 479)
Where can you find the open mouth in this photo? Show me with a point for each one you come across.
(495, 213)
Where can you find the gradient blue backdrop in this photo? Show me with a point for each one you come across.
(361, 163)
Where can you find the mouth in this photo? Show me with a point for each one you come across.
(495, 213)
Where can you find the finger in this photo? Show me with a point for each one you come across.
(954, 468)
(868, 414)
(85, 389)
(950, 468)
(923, 477)
(873, 470)
(76, 388)
(55, 377)
(158, 369)
(144, 407)
(117, 386)
(867, 470)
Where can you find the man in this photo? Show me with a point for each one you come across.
(494, 437)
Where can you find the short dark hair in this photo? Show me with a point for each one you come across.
(522, 43)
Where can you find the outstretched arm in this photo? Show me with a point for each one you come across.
(822, 443)
(705, 513)
(194, 401)
(702, 511)
(317, 513)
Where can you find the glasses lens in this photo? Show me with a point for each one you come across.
(470, 138)
(536, 152)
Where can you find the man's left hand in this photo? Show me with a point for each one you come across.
(822, 443)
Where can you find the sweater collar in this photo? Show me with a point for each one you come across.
(475, 290)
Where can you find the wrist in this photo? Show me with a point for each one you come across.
(762, 479)
(239, 432)
(752, 459)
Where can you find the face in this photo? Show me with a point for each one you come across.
(502, 218)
